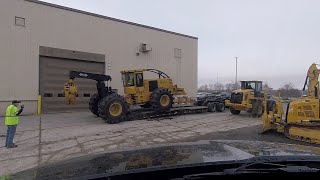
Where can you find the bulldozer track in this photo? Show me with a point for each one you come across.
(303, 131)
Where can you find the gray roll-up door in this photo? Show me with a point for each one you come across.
(54, 72)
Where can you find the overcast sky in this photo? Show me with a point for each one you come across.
(276, 40)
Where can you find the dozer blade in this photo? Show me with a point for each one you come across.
(266, 125)
(272, 116)
(70, 91)
(305, 131)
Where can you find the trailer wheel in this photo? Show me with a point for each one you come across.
(211, 107)
(93, 104)
(161, 100)
(113, 108)
(234, 111)
(221, 107)
(205, 103)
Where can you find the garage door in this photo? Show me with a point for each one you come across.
(54, 72)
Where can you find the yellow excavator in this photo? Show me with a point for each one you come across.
(301, 120)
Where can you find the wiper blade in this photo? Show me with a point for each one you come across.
(269, 167)
(252, 168)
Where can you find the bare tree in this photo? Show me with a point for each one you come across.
(219, 87)
(288, 86)
(288, 90)
(235, 86)
(266, 86)
(211, 87)
(201, 88)
(229, 87)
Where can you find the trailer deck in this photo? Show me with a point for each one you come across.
(143, 113)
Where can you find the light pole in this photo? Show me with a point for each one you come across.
(236, 71)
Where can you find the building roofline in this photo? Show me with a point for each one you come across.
(106, 17)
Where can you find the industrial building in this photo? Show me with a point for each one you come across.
(41, 42)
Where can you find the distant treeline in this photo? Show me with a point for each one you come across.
(287, 90)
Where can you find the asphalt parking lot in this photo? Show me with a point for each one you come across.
(55, 137)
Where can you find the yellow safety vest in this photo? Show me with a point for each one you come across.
(11, 116)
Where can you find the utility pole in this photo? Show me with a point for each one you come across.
(217, 78)
(236, 71)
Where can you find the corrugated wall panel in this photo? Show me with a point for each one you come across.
(54, 72)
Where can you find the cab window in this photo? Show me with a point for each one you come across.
(128, 79)
(259, 87)
(139, 79)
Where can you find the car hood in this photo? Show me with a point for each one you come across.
(163, 156)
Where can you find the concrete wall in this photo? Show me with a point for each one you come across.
(59, 28)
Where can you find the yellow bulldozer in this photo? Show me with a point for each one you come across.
(249, 98)
(155, 94)
(301, 120)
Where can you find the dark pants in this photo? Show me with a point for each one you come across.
(11, 131)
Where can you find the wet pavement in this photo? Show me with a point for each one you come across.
(55, 137)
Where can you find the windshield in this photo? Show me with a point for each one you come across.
(248, 85)
(232, 79)
(257, 86)
(128, 79)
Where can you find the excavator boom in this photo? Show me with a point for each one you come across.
(312, 81)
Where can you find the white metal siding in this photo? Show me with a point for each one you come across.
(58, 28)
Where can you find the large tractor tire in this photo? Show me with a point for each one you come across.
(113, 108)
(234, 111)
(161, 100)
(93, 104)
(258, 109)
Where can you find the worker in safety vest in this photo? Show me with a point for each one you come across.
(12, 121)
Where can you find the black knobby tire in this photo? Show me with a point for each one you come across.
(258, 109)
(221, 107)
(234, 111)
(155, 100)
(211, 107)
(93, 104)
(205, 103)
(106, 104)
